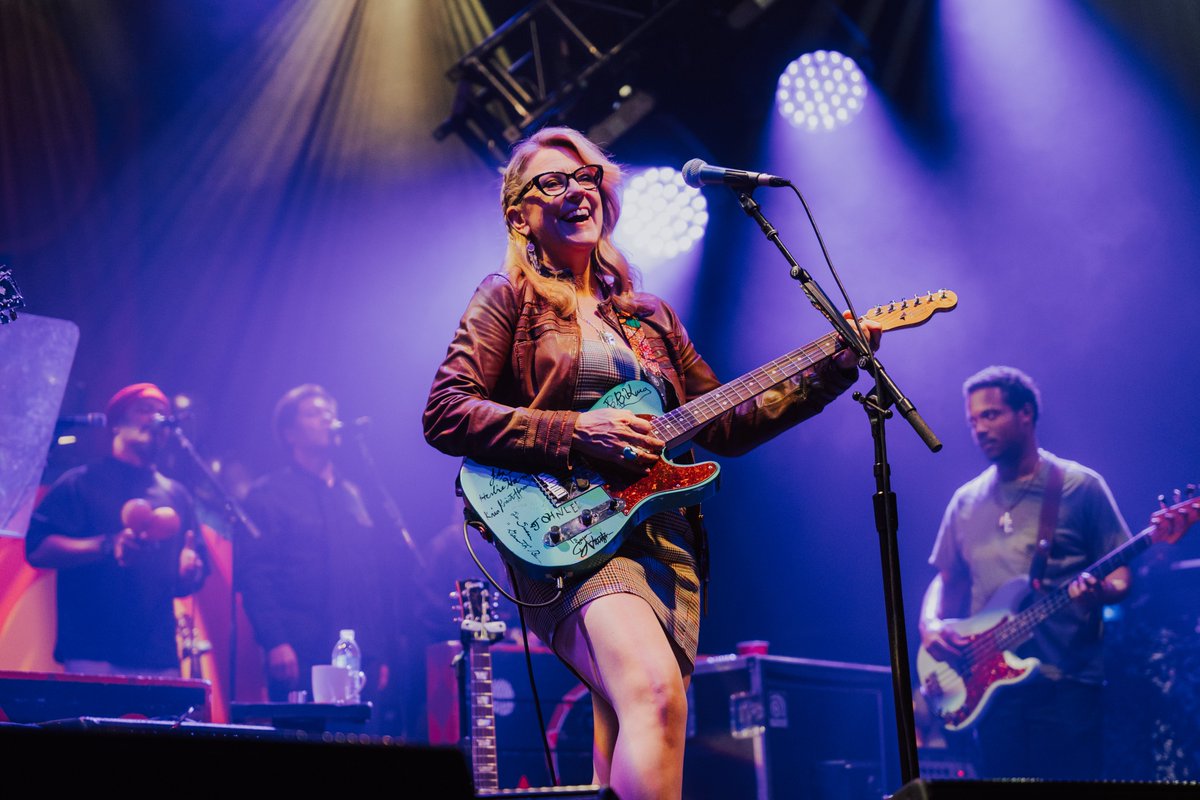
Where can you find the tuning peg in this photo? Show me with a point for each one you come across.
(1178, 496)
(1162, 501)
(1191, 490)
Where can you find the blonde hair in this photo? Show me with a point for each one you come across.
(609, 265)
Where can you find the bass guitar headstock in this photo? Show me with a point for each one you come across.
(1172, 521)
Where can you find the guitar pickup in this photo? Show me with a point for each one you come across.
(588, 518)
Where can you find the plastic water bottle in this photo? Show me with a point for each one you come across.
(347, 656)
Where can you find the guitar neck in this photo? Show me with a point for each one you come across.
(682, 423)
(481, 716)
(1021, 626)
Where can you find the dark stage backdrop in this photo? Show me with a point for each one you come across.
(233, 198)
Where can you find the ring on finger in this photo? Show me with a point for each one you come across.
(630, 453)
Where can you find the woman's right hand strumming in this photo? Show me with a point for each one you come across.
(617, 436)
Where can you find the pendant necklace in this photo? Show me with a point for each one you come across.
(607, 335)
(1006, 519)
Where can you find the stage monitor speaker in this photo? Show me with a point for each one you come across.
(233, 760)
(1014, 789)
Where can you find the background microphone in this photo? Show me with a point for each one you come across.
(164, 421)
(95, 419)
(696, 174)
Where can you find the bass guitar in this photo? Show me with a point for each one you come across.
(478, 630)
(549, 526)
(958, 686)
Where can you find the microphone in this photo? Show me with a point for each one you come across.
(696, 174)
(95, 419)
(164, 421)
(340, 425)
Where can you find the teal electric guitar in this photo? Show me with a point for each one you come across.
(549, 526)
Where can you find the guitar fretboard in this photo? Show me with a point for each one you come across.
(482, 721)
(681, 423)
(1021, 626)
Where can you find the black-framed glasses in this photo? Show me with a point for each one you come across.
(552, 184)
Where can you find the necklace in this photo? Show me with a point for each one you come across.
(1006, 519)
(606, 334)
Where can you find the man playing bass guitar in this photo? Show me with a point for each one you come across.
(1051, 725)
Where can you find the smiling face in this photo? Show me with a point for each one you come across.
(565, 228)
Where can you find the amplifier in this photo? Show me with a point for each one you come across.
(520, 757)
(771, 727)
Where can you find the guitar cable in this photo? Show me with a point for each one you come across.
(558, 582)
(537, 703)
(468, 523)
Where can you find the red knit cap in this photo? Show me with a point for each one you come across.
(119, 401)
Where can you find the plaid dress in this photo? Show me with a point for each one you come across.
(656, 562)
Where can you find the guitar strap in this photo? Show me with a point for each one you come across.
(635, 337)
(1047, 523)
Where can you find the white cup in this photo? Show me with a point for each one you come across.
(337, 685)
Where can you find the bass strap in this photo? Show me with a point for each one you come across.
(1047, 523)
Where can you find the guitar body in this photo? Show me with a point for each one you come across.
(957, 687)
(549, 526)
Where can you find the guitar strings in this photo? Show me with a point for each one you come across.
(684, 418)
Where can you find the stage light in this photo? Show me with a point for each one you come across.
(820, 91)
(661, 216)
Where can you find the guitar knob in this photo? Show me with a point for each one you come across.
(586, 516)
(582, 483)
(555, 535)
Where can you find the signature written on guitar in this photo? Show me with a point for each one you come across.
(626, 395)
(586, 544)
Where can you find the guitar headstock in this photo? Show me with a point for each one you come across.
(912, 312)
(474, 610)
(1172, 521)
(10, 297)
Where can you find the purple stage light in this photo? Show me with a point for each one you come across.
(661, 216)
(821, 90)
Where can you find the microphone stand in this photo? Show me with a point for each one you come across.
(876, 405)
(389, 504)
(237, 517)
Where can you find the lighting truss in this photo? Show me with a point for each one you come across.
(556, 61)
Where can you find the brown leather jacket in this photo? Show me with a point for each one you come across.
(503, 393)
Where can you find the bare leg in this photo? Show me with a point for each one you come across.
(604, 739)
(619, 648)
